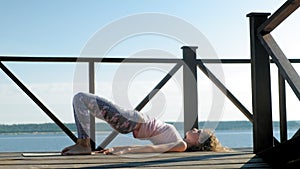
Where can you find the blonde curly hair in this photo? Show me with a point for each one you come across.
(208, 142)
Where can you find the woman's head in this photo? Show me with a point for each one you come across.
(203, 140)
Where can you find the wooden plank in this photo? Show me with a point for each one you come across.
(235, 159)
(285, 67)
(279, 16)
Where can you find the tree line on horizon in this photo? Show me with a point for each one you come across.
(52, 127)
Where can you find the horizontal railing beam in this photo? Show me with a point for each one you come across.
(86, 59)
(124, 60)
(113, 60)
(279, 16)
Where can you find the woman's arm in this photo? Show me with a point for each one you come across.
(178, 146)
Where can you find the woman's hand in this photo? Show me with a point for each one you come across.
(106, 152)
(116, 150)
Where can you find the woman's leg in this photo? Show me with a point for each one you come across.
(81, 105)
(85, 104)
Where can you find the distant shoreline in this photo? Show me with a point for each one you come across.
(103, 127)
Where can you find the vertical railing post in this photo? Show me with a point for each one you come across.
(261, 87)
(282, 108)
(190, 96)
(92, 90)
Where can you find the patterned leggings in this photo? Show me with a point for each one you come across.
(85, 104)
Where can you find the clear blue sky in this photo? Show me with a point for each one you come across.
(63, 27)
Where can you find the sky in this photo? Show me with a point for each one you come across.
(124, 28)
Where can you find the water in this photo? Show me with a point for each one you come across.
(45, 142)
(32, 142)
(232, 137)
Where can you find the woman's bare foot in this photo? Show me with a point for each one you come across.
(68, 148)
(82, 147)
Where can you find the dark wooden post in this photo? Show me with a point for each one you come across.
(190, 96)
(92, 90)
(282, 108)
(261, 87)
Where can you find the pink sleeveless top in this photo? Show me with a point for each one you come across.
(157, 132)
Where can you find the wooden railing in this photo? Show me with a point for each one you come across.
(189, 63)
(200, 63)
(263, 46)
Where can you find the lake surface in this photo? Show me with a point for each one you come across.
(56, 141)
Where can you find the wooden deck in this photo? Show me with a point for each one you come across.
(241, 158)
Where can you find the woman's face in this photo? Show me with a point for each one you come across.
(192, 136)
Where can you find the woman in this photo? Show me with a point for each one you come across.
(165, 137)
